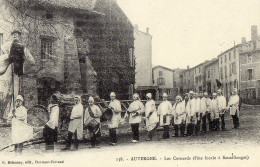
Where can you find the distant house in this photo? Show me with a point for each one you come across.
(250, 67)
(212, 75)
(163, 77)
(83, 46)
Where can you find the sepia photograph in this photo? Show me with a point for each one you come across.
(129, 83)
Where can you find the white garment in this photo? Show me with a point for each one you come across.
(197, 108)
(54, 111)
(179, 113)
(233, 104)
(214, 108)
(165, 109)
(76, 120)
(222, 102)
(205, 105)
(116, 118)
(20, 130)
(152, 121)
(191, 110)
(97, 114)
(136, 105)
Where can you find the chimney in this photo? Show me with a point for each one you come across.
(147, 30)
(254, 34)
(243, 40)
(136, 26)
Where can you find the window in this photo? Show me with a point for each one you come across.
(131, 57)
(131, 90)
(189, 82)
(200, 78)
(221, 60)
(197, 79)
(249, 59)
(250, 75)
(226, 72)
(225, 58)
(230, 69)
(229, 56)
(221, 73)
(47, 48)
(1, 43)
(234, 54)
(234, 68)
(160, 81)
(160, 73)
(251, 93)
(49, 14)
(208, 74)
(168, 91)
(199, 69)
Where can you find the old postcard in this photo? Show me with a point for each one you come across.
(129, 83)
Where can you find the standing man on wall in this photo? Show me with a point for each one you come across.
(18, 55)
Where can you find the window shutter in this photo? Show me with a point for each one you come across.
(253, 74)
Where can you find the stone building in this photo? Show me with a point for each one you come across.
(143, 55)
(163, 77)
(83, 46)
(212, 75)
(250, 67)
(229, 69)
(177, 81)
(200, 77)
(187, 80)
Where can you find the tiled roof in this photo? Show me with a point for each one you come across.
(73, 4)
(81, 4)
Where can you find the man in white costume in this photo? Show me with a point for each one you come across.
(50, 131)
(222, 102)
(20, 131)
(164, 111)
(179, 116)
(151, 115)
(233, 107)
(18, 56)
(215, 112)
(76, 124)
(206, 112)
(115, 106)
(136, 109)
(198, 113)
(191, 113)
(93, 112)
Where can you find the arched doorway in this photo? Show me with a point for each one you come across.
(46, 86)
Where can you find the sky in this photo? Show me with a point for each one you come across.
(188, 32)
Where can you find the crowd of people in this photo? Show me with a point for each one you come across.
(191, 115)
